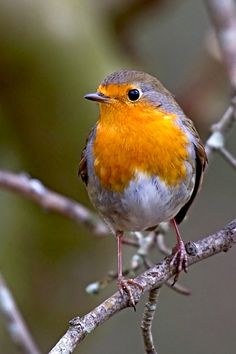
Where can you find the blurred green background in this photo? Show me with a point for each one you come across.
(52, 52)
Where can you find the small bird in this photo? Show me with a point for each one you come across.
(143, 162)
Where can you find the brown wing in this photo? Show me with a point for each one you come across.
(201, 161)
(83, 171)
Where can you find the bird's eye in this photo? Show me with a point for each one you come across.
(134, 94)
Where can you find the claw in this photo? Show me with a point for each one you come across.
(180, 260)
(180, 257)
(123, 285)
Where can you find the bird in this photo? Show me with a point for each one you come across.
(143, 162)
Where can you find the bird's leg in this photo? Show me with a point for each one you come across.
(123, 284)
(119, 237)
(180, 258)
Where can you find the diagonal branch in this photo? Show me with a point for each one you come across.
(80, 327)
(216, 141)
(228, 156)
(49, 200)
(14, 322)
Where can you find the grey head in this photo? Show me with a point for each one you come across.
(152, 89)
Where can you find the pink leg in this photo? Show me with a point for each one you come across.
(119, 236)
(180, 257)
(123, 284)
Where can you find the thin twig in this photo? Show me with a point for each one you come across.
(216, 141)
(179, 288)
(223, 17)
(97, 286)
(225, 124)
(51, 201)
(228, 156)
(147, 320)
(130, 242)
(80, 327)
(160, 242)
(15, 324)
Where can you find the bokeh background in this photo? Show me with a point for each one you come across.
(52, 52)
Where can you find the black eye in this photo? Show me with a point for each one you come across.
(134, 94)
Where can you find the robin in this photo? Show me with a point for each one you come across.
(143, 162)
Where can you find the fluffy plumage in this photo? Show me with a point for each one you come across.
(143, 162)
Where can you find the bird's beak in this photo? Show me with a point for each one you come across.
(97, 97)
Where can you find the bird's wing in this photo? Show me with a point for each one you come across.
(201, 162)
(83, 170)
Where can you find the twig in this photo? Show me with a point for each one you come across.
(228, 156)
(179, 288)
(80, 327)
(97, 286)
(130, 242)
(166, 251)
(148, 316)
(14, 322)
(225, 124)
(223, 16)
(51, 201)
(216, 141)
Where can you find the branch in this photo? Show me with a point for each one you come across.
(14, 321)
(148, 316)
(80, 327)
(223, 17)
(51, 201)
(216, 141)
(228, 156)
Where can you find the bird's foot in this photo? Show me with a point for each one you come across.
(179, 260)
(124, 285)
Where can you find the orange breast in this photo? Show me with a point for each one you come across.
(144, 140)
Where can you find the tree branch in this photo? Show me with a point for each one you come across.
(228, 156)
(34, 189)
(147, 320)
(216, 141)
(223, 17)
(80, 327)
(14, 321)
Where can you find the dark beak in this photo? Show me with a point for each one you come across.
(97, 97)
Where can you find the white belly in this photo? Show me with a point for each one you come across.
(144, 203)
